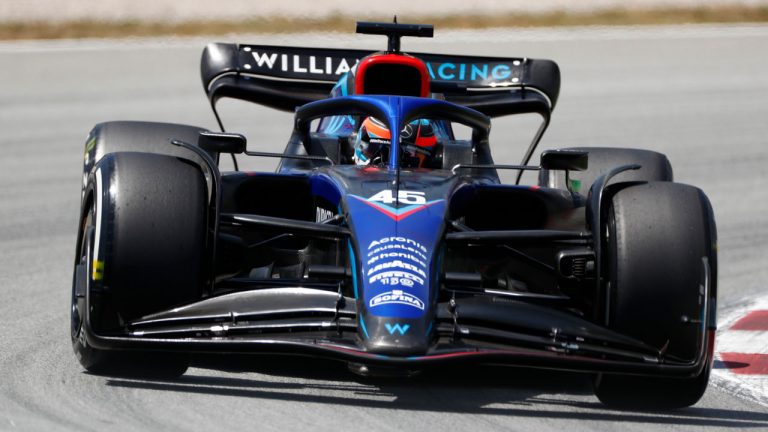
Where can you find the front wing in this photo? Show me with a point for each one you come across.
(316, 322)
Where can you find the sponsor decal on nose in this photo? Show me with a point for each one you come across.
(397, 328)
(396, 297)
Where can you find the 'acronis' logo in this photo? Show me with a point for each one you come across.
(469, 72)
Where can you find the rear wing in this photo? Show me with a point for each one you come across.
(287, 77)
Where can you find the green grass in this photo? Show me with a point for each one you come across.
(103, 29)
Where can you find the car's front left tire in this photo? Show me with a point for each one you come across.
(141, 249)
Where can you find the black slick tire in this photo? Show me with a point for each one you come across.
(141, 249)
(138, 136)
(661, 248)
(655, 167)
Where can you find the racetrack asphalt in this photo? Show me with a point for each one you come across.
(698, 93)
(201, 10)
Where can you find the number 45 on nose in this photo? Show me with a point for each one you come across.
(403, 197)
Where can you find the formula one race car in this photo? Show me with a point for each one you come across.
(384, 241)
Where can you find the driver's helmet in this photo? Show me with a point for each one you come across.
(418, 142)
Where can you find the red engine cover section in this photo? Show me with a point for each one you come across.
(392, 74)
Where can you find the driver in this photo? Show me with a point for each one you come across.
(418, 143)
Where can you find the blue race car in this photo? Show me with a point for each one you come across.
(385, 241)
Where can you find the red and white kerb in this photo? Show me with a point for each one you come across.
(742, 353)
(743, 347)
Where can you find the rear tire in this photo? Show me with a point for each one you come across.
(655, 167)
(141, 249)
(136, 136)
(661, 243)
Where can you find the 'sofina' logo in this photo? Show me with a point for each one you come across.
(396, 297)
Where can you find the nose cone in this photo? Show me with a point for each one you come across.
(395, 258)
(396, 337)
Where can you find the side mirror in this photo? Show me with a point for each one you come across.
(568, 160)
(220, 142)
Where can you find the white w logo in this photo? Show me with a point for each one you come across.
(262, 59)
(397, 328)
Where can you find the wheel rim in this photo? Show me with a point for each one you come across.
(84, 251)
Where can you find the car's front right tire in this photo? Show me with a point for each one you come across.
(662, 267)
